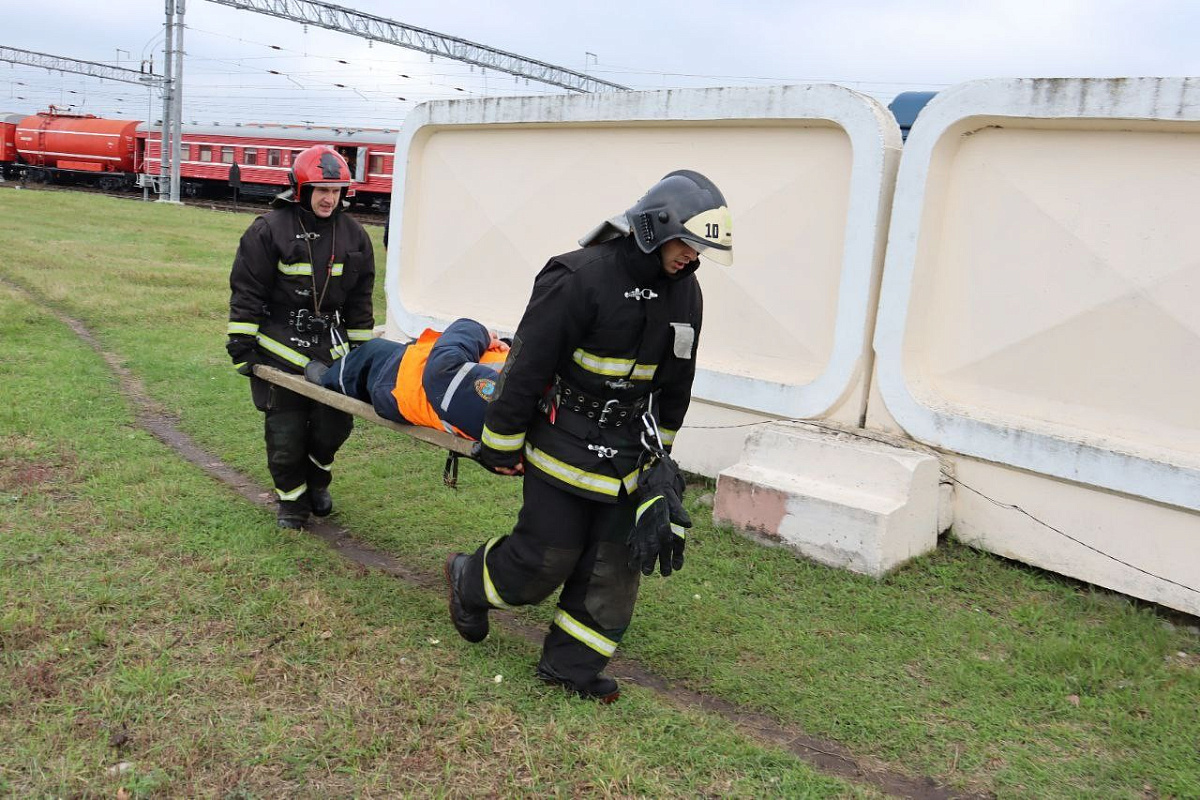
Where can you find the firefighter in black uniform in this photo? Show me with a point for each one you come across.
(596, 384)
(301, 291)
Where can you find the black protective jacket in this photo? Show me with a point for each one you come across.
(300, 289)
(606, 336)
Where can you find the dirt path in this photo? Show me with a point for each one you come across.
(826, 755)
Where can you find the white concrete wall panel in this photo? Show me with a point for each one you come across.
(492, 188)
(1040, 305)
(1143, 549)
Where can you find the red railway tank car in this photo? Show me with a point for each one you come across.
(53, 142)
(264, 153)
(8, 136)
(8, 144)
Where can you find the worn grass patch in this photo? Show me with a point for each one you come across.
(984, 674)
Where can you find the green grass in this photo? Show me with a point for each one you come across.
(153, 618)
(157, 607)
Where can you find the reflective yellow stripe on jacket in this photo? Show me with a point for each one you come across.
(618, 367)
(282, 351)
(300, 268)
(573, 476)
(501, 442)
(294, 356)
(643, 372)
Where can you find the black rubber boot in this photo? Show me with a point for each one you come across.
(321, 501)
(600, 687)
(471, 625)
(291, 515)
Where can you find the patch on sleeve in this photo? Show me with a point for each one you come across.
(685, 339)
(485, 388)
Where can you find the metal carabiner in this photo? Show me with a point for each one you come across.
(604, 412)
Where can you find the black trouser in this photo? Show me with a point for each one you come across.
(562, 538)
(302, 438)
(368, 373)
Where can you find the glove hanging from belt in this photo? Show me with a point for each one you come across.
(660, 527)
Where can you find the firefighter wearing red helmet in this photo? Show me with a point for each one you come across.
(300, 291)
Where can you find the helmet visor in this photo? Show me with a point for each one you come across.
(711, 232)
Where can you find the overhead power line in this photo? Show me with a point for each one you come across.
(91, 68)
(380, 29)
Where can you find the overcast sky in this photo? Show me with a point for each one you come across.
(879, 47)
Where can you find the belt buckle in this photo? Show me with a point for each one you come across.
(604, 411)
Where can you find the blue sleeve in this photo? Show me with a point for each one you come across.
(464, 342)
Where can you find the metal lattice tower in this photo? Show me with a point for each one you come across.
(368, 26)
(90, 68)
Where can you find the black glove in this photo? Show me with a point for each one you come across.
(244, 352)
(660, 527)
(490, 459)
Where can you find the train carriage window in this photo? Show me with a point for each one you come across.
(226, 155)
(375, 165)
(250, 156)
(274, 158)
(205, 152)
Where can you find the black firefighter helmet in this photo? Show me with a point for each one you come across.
(684, 205)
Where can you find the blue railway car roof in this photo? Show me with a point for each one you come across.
(906, 106)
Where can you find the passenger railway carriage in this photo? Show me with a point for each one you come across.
(264, 156)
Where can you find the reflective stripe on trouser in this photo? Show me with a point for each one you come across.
(300, 434)
(564, 539)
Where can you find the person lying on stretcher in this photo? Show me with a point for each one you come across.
(442, 380)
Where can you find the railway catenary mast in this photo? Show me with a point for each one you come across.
(380, 29)
(171, 141)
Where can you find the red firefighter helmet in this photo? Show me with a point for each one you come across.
(319, 165)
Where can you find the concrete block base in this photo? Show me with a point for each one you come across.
(843, 500)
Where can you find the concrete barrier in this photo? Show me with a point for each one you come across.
(1039, 322)
(1036, 334)
(492, 188)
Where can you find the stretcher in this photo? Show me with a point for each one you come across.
(456, 445)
